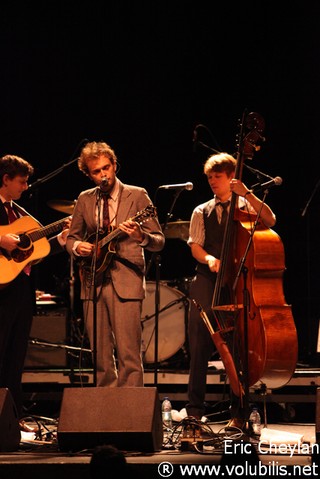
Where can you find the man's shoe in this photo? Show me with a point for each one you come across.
(235, 423)
(26, 428)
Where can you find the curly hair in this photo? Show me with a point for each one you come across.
(93, 150)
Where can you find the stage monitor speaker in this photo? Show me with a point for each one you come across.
(9, 422)
(128, 418)
(47, 338)
(318, 416)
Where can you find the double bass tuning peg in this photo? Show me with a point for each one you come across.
(254, 121)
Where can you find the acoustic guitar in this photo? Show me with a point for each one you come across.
(32, 247)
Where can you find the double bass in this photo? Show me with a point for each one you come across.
(255, 332)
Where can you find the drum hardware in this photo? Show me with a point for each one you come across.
(177, 230)
(169, 305)
(66, 206)
(182, 284)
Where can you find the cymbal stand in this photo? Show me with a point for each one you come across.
(71, 286)
(33, 188)
(156, 309)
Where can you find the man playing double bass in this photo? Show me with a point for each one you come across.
(205, 240)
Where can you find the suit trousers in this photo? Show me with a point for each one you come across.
(116, 331)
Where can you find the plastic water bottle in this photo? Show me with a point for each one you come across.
(166, 414)
(255, 421)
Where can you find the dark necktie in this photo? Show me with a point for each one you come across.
(224, 215)
(106, 218)
(10, 211)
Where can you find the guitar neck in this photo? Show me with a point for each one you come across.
(47, 230)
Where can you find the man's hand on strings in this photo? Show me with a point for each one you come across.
(133, 229)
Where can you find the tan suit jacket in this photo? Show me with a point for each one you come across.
(127, 268)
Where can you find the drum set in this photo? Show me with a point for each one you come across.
(172, 324)
(173, 312)
(174, 304)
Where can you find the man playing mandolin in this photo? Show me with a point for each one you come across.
(206, 237)
(112, 225)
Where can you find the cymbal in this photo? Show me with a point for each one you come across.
(65, 206)
(177, 230)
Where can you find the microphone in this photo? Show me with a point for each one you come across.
(103, 183)
(277, 181)
(180, 186)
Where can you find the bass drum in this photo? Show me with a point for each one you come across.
(172, 322)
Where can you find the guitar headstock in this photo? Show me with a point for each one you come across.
(148, 212)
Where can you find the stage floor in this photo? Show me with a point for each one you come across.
(294, 402)
(291, 453)
(290, 410)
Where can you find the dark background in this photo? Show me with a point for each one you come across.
(141, 76)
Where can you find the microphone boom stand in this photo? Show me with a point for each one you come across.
(244, 271)
(93, 291)
(310, 199)
(157, 259)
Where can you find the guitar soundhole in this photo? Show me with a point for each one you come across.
(24, 242)
(24, 250)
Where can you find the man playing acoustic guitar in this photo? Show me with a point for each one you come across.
(17, 296)
(112, 225)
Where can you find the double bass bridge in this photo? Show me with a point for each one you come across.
(225, 316)
(228, 307)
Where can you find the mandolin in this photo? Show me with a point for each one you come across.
(106, 244)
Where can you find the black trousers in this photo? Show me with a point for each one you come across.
(201, 346)
(16, 314)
